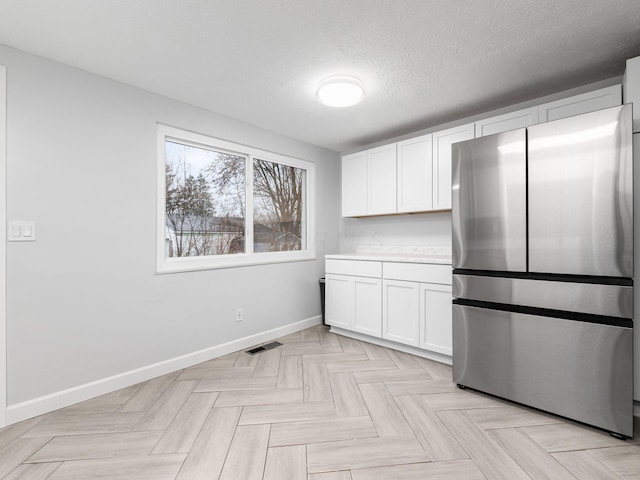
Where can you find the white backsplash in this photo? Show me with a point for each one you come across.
(432, 229)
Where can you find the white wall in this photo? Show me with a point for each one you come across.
(83, 300)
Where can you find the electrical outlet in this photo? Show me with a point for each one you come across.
(239, 314)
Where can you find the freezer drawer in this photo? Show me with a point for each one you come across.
(489, 202)
(579, 370)
(581, 195)
(588, 298)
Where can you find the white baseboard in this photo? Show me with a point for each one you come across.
(70, 396)
(438, 357)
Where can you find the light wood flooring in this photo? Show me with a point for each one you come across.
(321, 407)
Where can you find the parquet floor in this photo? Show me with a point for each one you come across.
(321, 407)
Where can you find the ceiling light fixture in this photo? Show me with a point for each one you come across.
(340, 91)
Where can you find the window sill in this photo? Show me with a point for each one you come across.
(195, 264)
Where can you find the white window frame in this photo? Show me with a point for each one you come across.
(249, 257)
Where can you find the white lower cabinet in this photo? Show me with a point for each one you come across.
(417, 314)
(354, 303)
(339, 300)
(406, 303)
(435, 318)
(401, 312)
(367, 312)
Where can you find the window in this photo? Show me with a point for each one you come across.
(213, 195)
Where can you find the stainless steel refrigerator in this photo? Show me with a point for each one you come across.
(543, 267)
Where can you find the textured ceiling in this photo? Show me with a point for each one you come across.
(423, 62)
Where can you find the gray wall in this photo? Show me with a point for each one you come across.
(83, 302)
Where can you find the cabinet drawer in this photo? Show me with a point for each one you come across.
(418, 272)
(359, 268)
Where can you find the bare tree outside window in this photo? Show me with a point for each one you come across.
(278, 203)
(278, 206)
(204, 201)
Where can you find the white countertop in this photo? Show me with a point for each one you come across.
(437, 259)
(408, 254)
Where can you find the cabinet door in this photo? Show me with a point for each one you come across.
(506, 122)
(636, 259)
(415, 174)
(401, 312)
(367, 300)
(631, 91)
(636, 268)
(338, 300)
(354, 184)
(435, 318)
(381, 171)
(442, 162)
(581, 223)
(579, 104)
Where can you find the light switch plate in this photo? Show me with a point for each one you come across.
(21, 231)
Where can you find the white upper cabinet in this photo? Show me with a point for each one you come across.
(579, 104)
(369, 182)
(506, 122)
(632, 89)
(354, 184)
(381, 174)
(442, 142)
(415, 174)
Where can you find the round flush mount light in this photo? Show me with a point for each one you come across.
(340, 91)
